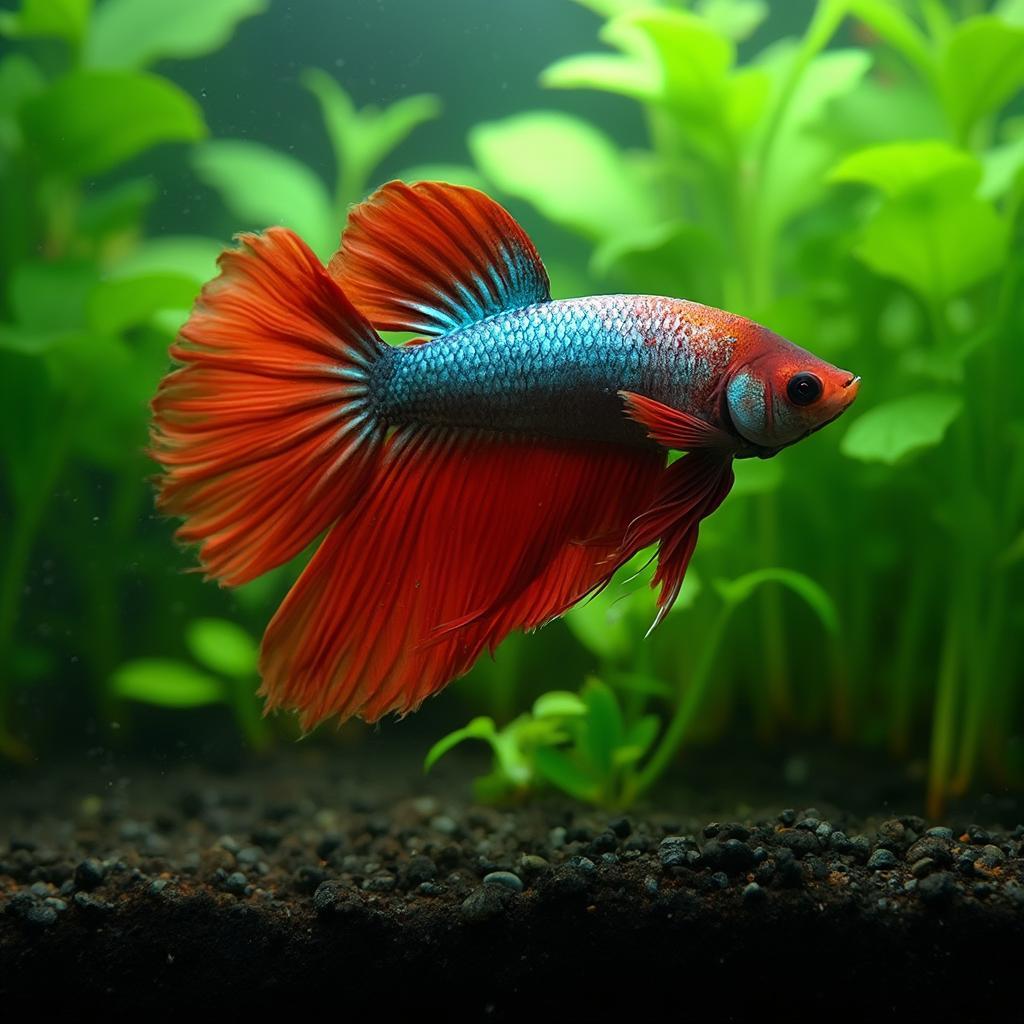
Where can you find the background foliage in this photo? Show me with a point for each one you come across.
(851, 175)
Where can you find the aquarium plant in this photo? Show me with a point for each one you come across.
(859, 188)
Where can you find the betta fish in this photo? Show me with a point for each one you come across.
(479, 479)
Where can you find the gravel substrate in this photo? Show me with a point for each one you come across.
(346, 872)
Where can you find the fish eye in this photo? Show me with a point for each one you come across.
(804, 389)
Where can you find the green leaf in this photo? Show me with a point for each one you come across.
(62, 19)
(264, 187)
(900, 168)
(792, 177)
(603, 725)
(602, 626)
(481, 728)
(118, 210)
(735, 592)
(19, 79)
(1004, 166)
(120, 303)
(167, 683)
(607, 72)
(637, 741)
(558, 703)
(129, 34)
(191, 255)
(557, 768)
(223, 647)
(90, 121)
(692, 56)
(938, 247)
(893, 430)
(362, 138)
(982, 69)
(51, 296)
(734, 19)
(571, 172)
(898, 30)
(637, 682)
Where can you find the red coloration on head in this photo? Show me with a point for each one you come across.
(778, 393)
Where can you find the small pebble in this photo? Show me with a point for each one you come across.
(236, 883)
(487, 902)
(89, 873)
(40, 916)
(882, 860)
(622, 827)
(506, 879)
(753, 894)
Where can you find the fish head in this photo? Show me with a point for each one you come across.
(777, 393)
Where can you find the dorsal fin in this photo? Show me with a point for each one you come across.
(432, 258)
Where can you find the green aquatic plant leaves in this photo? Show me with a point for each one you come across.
(556, 703)
(130, 34)
(263, 187)
(118, 211)
(191, 255)
(735, 592)
(896, 429)
(899, 30)
(88, 122)
(361, 138)
(167, 683)
(481, 728)
(938, 247)
(606, 72)
(61, 19)
(693, 58)
(931, 232)
(116, 304)
(602, 726)
(901, 168)
(563, 772)
(573, 173)
(735, 19)
(1003, 168)
(51, 296)
(982, 68)
(222, 646)
(800, 153)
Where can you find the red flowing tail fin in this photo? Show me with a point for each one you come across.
(461, 538)
(266, 432)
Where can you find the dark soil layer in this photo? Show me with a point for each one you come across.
(343, 874)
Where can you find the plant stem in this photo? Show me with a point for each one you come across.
(944, 720)
(687, 706)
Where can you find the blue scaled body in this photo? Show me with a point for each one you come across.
(556, 368)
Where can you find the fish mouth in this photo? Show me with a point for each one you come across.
(848, 394)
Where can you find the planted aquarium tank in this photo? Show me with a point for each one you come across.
(603, 261)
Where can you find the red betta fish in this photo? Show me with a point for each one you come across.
(481, 479)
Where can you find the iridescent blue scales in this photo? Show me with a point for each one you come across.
(556, 368)
(481, 480)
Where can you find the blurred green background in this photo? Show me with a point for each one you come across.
(849, 172)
